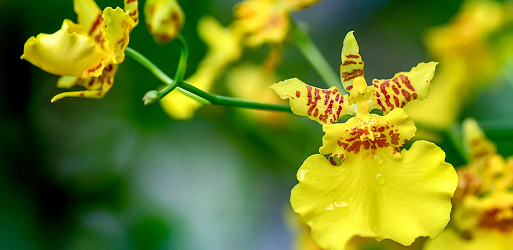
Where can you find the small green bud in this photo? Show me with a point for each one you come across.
(151, 97)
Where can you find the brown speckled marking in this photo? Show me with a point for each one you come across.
(327, 111)
(97, 22)
(384, 136)
(346, 76)
(498, 218)
(399, 89)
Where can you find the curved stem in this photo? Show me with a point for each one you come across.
(161, 75)
(184, 55)
(180, 71)
(316, 59)
(200, 95)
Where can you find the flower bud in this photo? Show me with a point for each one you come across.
(151, 97)
(164, 18)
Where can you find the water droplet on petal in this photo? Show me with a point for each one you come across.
(378, 159)
(301, 174)
(330, 207)
(341, 204)
(380, 180)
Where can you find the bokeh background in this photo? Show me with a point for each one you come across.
(114, 174)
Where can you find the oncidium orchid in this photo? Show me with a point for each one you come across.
(369, 187)
(87, 53)
(469, 60)
(483, 203)
(164, 19)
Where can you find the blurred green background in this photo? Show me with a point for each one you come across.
(114, 174)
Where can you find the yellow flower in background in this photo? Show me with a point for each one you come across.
(492, 228)
(251, 82)
(223, 48)
(483, 203)
(368, 187)
(468, 57)
(479, 223)
(266, 21)
(164, 19)
(487, 171)
(86, 53)
(257, 22)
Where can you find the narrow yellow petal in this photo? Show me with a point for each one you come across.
(224, 44)
(476, 143)
(97, 86)
(132, 8)
(65, 53)
(352, 63)
(89, 15)
(164, 18)
(404, 87)
(321, 105)
(116, 29)
(362, 136)
(386, 197)
(96, 94)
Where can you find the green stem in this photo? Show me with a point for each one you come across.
(200, 95)
(160, 75)
(316, 59)
(184, 55)
(180, 71)
(234, 102)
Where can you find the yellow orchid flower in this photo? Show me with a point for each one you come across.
(327, 106)
(469, 60)
(164, 18)
(223, 48)
(483, 202)
(487, 171)
(368, 187)
(480, 223)
(86, 53)
(266, 21)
